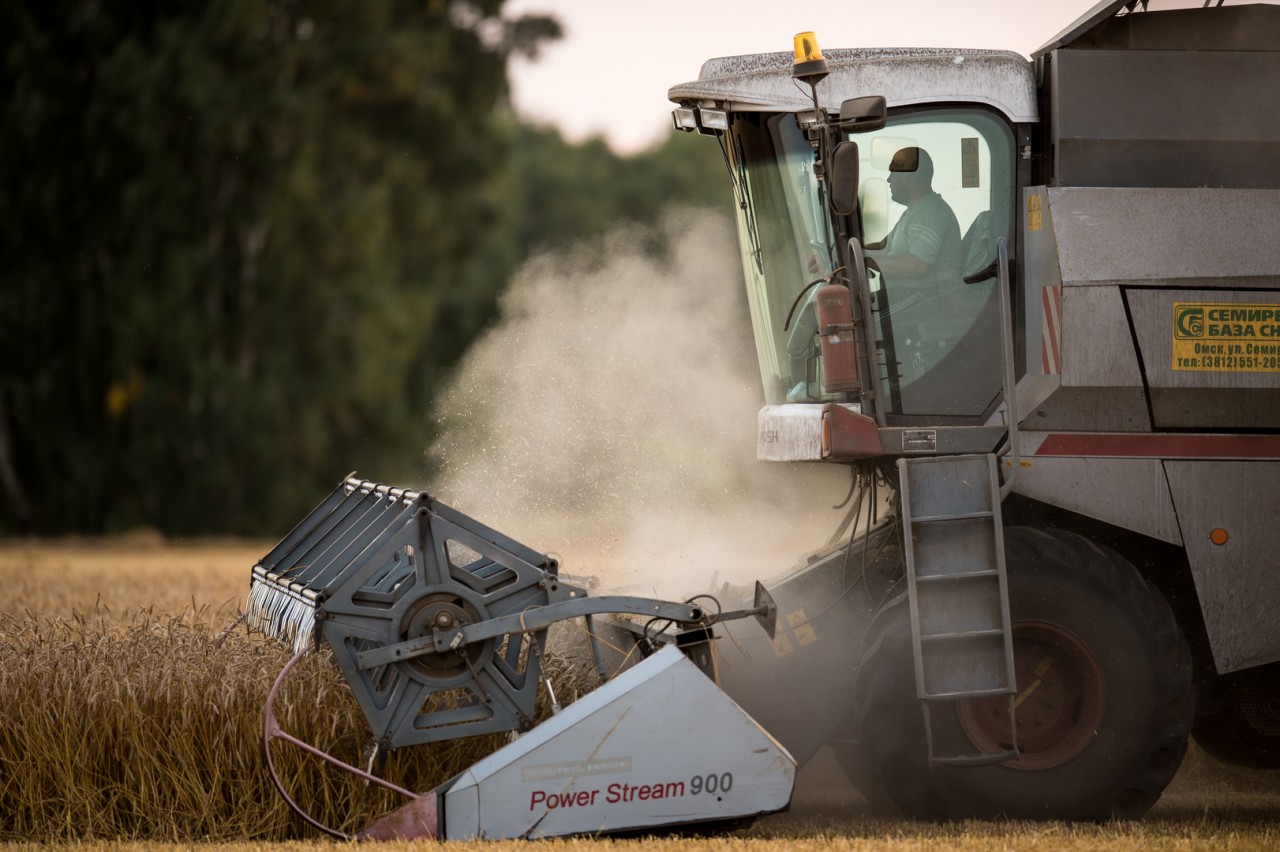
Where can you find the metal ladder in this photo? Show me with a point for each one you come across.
(958, 589)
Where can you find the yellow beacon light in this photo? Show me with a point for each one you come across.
(807, 49)
(809, 64)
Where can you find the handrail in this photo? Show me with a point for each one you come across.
(869, 374)
(1010, 379)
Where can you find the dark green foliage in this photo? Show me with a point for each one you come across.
(569, 193)
(242, 242)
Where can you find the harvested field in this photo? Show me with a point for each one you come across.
(128, 720)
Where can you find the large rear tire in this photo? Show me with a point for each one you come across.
(1104, 689)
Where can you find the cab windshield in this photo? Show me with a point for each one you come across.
(786, 242)
(936, 191)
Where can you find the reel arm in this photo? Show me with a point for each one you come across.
(538, 618)
(529, 620)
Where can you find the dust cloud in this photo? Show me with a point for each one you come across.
(609, 417)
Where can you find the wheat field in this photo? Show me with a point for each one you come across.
(132, 720)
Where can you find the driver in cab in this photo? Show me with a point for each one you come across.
(921, 256)
(920, 261)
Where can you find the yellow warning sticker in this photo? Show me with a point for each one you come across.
(1034, 218)
(1226, 337)
(800, 625)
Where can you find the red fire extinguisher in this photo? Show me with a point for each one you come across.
(834, 305)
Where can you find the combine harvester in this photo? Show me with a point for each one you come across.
(1059, 365)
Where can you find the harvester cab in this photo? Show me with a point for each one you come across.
(902, 212)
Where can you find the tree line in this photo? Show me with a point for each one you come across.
(243, 243)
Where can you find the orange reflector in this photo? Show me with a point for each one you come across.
(806, 48)
(1218, 536)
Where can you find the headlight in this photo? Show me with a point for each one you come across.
(685, 118)
(713, 119)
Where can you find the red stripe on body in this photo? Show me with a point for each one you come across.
(1050, 346)
(1162, 446)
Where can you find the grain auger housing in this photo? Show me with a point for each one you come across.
(439, 625)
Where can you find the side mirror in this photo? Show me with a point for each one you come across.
(858, 115)
(843, 178)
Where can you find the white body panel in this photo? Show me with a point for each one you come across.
(1236, 580)
(659, 745)
(1131, 493)
(786, 433)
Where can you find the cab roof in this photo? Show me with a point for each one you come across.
(762, 82)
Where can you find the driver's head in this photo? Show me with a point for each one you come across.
(910, 174)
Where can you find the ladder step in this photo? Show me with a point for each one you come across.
(961, 634)
(960, 631)
(954, 516)
(958, 575)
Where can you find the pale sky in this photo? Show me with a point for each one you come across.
(609, 75)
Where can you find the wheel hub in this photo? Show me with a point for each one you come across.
(1058, 705)
(443, 611)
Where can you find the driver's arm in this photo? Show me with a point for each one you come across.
(922, 248)
(904, 263)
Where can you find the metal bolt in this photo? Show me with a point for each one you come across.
(444, 620)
